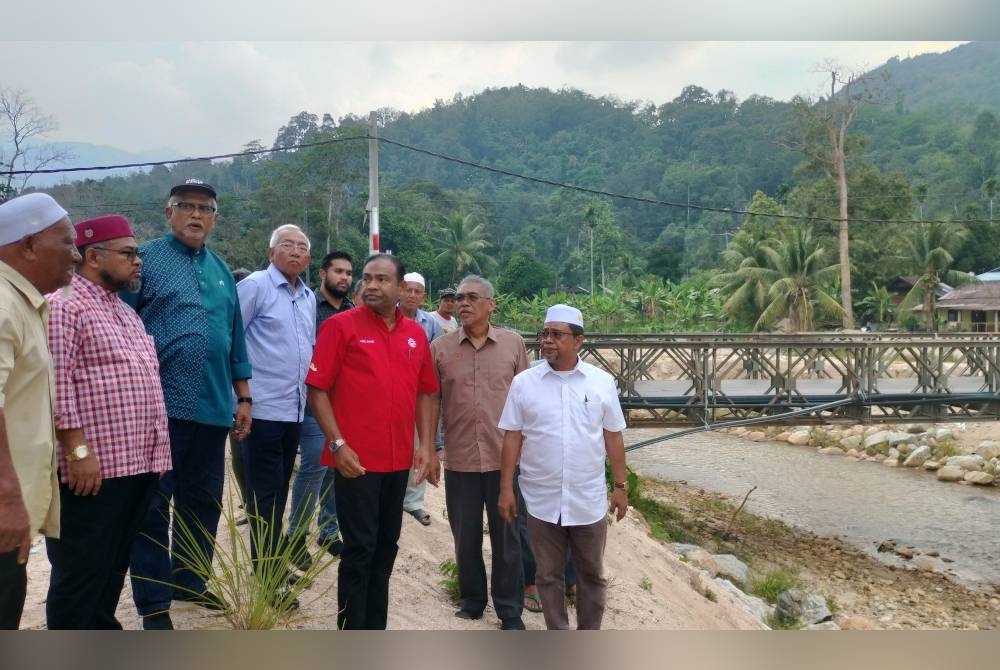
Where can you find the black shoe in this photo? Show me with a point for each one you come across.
(420, 515)
(205, 599)
(513, 623)
(300, 557)
(158, 621)
(334, 547)
(466, 614)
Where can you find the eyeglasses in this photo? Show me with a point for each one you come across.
(297, 246)
(129, 254)
(554, 334)
(471, 297)
(190, 207)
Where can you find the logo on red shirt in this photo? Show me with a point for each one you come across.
(412, 342)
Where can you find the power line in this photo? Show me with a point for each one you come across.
(501, 171)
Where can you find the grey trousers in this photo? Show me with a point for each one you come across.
(549, 542)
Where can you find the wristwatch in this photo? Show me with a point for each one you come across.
(244, 399)
(77, 453)
(335, 445)
(619, 485)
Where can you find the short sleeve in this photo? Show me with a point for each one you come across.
(510, 418)
(10, 339)
(614, 419)
(427, 381)
(328, 354)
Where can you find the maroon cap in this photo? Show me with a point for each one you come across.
(102, 229)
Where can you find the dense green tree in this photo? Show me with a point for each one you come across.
(931, 247)
(524, 276)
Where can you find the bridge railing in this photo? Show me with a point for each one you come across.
(690, 378)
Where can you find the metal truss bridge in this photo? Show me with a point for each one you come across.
(707, 378)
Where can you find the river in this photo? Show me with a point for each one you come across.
(863, 503)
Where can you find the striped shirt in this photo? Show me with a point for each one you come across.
(107, 381)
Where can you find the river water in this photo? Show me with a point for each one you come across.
(863, 503)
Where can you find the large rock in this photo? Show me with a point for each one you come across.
(893, 455)
(826, 625)
(898, 437)
(800, 605)
(918, 457)
(950, 473)
(944, 434)
(730, 567)
(967, 462)
(836, 451)
(800, 438)
(916, 428)
(850, 442)
(756, 606)
(876, 439)
(931, 465)
(981, 478)
(684, 549)
(757, 436)
(988, 449)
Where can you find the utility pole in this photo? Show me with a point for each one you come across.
(373, 245)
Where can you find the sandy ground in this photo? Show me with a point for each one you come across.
(650, 588)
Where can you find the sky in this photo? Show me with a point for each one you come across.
(208, 97)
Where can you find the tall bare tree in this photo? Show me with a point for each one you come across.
(830, 118)
(22, 125)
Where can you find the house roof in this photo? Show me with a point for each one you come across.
(979, 296)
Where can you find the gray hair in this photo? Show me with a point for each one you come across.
(476, 279)
(287, 228)
(172, 201)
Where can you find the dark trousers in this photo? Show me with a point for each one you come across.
(268, 458)
(550, 541)
(466, 493)
(370, 511)
(91, 556)
(13, 588)
(195, 485)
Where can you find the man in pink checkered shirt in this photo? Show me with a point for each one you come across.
(111, 427)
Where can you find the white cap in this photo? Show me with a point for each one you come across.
(27, 215)
(564, 314)
(415, 277)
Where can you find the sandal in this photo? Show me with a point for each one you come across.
(420, 515)
(532, 602)
(571, 596)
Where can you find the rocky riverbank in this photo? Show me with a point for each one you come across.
(952, 452)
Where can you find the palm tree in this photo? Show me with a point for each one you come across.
(463, 245)
(796, 278)
(931, 247)
(878, 304)
(746, 291)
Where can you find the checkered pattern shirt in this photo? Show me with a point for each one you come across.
(107, 381)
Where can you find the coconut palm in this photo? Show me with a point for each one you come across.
(463, 244)
(746, 291)
(878, 304)
(797, 280)
(931, 248)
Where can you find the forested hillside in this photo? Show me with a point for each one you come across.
(927, 150)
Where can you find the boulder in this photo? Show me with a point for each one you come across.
(799, 438)
(757, 436)
(967, 462)
(729, 567)
(904, 552)
(897, 437)
(924, 564)
(931, 465)
(826, 625)
(803, 606)
(916, 428)
(783, 436)
(756, 606)
(950, 473)
(944, 434)
(876, 439)
(918, 457)
(904, 448)
(850, 442)
(853, 453)
(684, 549)
(981, 478)
(988, 449)
(893, 454)
(836, 451)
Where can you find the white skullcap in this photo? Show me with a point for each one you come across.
(27, 215)
(415, 277)
(564, 314)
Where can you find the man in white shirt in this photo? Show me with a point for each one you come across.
(562, 418)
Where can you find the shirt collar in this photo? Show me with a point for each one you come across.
(25, 287)
(179, 246)
(547, 369)
(491, 334)
(279, 280)
(81, 283)
(377, 319)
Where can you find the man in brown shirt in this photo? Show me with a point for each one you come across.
(475, 365)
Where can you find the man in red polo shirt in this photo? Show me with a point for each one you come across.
(370, 381)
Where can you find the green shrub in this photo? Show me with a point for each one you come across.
(772, 584)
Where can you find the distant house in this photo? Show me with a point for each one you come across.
(901, 285)
(973, 307)
(992, 275)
